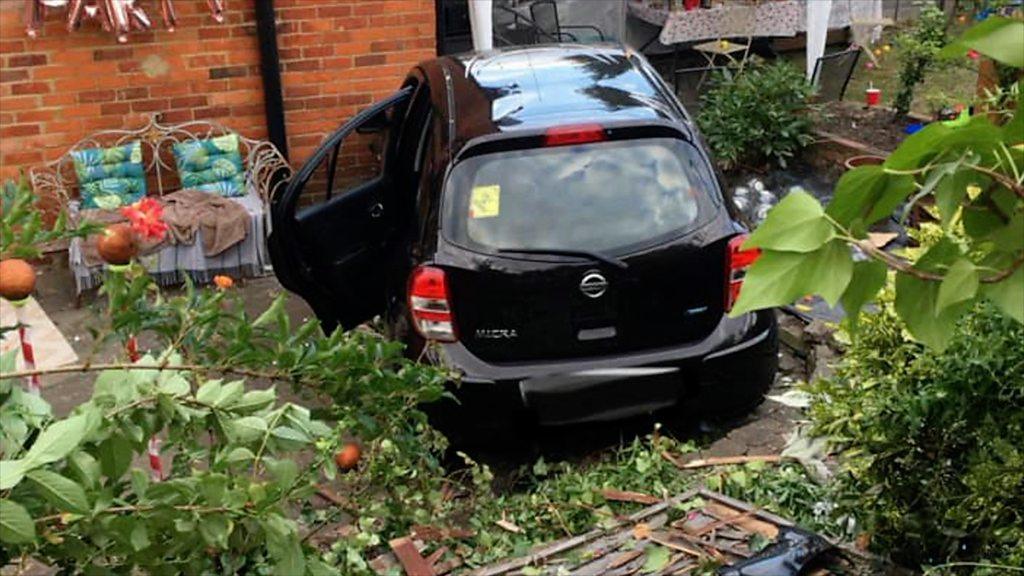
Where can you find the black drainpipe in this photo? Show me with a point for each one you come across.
(270, 64)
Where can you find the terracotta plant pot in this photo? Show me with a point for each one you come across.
(863, 160)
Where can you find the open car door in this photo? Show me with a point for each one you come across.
(332, 222)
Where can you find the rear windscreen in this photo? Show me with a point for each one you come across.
(606, 197)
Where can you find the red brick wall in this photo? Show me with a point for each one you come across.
(337, 56)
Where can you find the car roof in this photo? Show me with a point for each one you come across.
(513, 89)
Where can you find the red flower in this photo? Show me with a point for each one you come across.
(973, 54)
(145, 218)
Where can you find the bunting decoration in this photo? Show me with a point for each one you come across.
(119, 17)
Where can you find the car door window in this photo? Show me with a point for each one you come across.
(349, 163)
(331, 223)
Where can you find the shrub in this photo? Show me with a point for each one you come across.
(919, 48)
(935, 440)
(759, 115)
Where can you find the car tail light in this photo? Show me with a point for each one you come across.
(429, 304)
(737, 261)
(576, 134)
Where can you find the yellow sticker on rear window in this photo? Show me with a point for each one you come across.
(485, 201)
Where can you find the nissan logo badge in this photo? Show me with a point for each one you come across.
(593, 285)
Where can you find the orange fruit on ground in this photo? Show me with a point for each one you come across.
(17, 279)
(348, 456)
(116, 244)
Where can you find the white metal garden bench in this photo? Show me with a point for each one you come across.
(266, 169)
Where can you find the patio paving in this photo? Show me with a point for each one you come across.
(55, 292)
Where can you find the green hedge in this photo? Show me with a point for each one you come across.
(935, 440)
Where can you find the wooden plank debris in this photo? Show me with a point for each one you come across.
(623, 558)
(546, 552)
(409, 557)
(437, 555)
(766, 529)
(434, 533)
(627, 496)
(713, 527)
(600, 552)
(723, 522)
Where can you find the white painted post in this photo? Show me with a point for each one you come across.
(817, 31)
(481, 21)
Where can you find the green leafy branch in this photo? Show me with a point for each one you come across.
(64, 517)
(22, 227)
(969, 174)
(63, 469)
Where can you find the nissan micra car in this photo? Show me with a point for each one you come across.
(546, 222)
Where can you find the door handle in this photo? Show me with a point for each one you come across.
(377, 210)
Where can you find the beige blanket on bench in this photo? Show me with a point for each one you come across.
(223, 222)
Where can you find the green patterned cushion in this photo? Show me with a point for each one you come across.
(110, 177)
(213, 165)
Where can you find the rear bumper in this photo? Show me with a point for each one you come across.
(738, 357)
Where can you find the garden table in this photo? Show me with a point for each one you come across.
(770, 18)
(714, 49)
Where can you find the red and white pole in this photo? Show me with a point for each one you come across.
(156, 466)
(131, 346)
(27, 352)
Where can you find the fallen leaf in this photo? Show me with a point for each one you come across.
(641, 531)
(792, 398)
(881, 239)
(509, 526)
(657, 558)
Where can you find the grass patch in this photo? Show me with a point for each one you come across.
(951, 82)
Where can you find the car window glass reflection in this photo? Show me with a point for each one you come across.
(600, 197)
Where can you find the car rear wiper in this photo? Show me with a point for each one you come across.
(590, 254)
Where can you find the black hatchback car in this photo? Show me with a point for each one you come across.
(547, 222)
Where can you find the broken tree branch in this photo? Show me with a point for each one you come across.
(721, 460)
